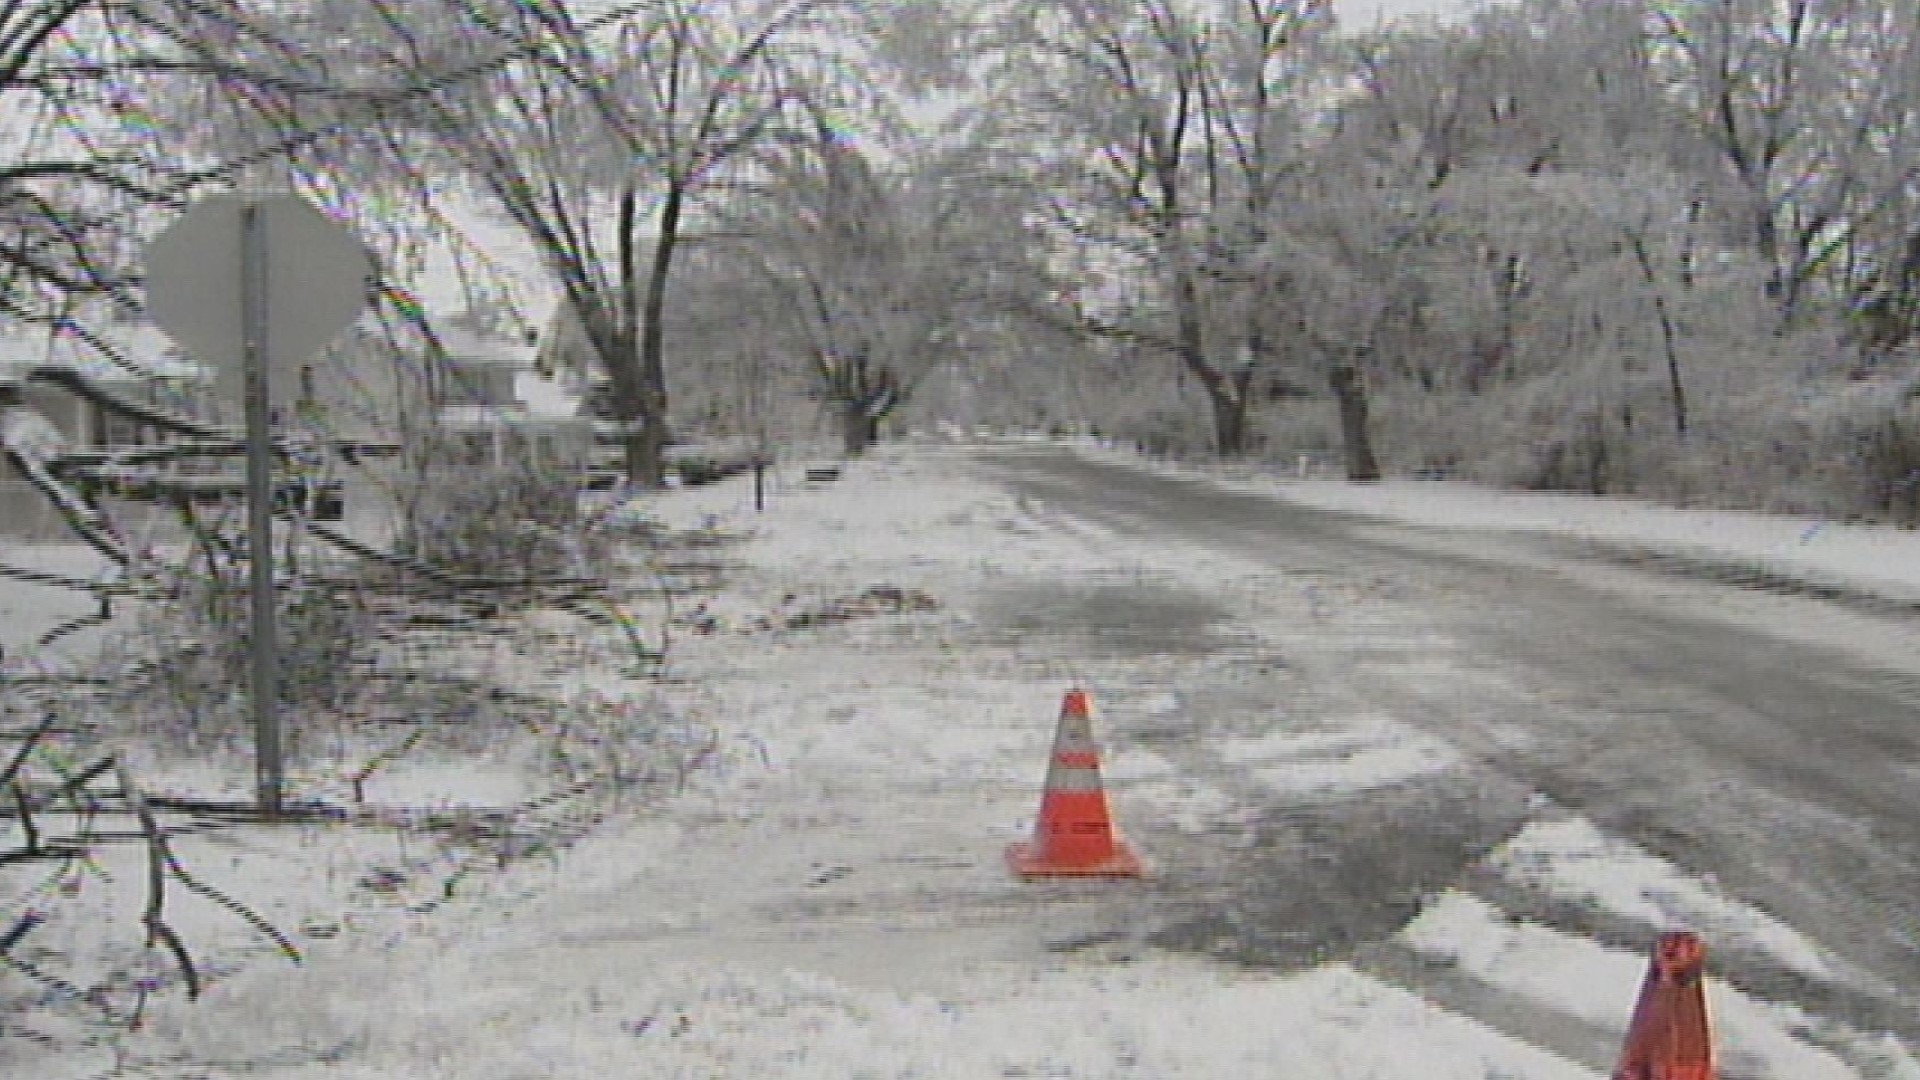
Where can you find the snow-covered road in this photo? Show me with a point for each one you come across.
(1348, 879)
(1672, 715)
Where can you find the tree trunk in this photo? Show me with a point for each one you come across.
(644, 465)
(1229, 408)
(625, 365)
(1351, 394)
(1229, 421)
(1669, 336)
(646, 449)
(1676, 388)
(615, 343)
(858, 429)
(630, 412)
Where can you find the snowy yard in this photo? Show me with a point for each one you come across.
(828, 898)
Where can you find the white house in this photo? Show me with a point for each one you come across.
(482, 305)
(502, 408)
(168, 380)
(173, 385)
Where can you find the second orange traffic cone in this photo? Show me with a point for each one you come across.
(1669, 1037)
(1075, 836)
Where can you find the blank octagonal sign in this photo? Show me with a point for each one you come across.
(318, 279)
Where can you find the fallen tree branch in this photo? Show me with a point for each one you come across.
(380, 761)
(12, 771)
(153, 918)
(24, 925)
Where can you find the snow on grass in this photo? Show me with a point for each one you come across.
(691, 1020)
(828, 900)
(1882, 558)
(427, 778)
(925, 519)
(1573, 859)
(444, 781)
(948, 731)
(312, 883)
(1600, 985)
(1877, 557)
(915, 511)
(29, 610)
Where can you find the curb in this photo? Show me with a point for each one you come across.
(1675, 560)
(1737, 572)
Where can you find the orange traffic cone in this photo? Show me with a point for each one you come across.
(1074, 836)
(1668, 1038)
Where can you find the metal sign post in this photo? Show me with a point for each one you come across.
(264, 695)
(254, 285)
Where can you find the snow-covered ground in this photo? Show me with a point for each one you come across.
(828, 898)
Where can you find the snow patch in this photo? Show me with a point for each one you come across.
(1157, 703)
(1191, 806)
(1165, 1019)
(1573, 859)
(1364, 770)
(1372, 752)
(1585, 980)
(1131, 764)
(1307, 744)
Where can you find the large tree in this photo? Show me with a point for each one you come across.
(1496, 187)
(1157, 134)
(1807, 108)
(84, 169)
(1591, 252)
(118, 113)
(879, 268)
(606, 144)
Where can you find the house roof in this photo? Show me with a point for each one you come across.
(539, 403)
(488, 418)
(464, 344)
(23, 348)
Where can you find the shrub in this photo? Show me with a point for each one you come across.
(1885, 455)
(1415, 432)
(1166, 432)
(200, 641)
(521, 519)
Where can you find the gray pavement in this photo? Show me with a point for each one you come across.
(1790, 774)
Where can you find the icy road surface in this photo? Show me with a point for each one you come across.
(1696, 722)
